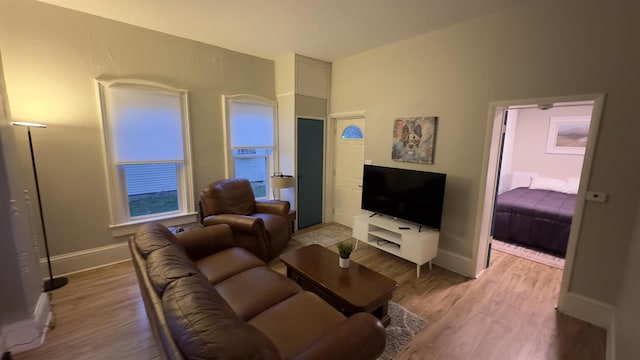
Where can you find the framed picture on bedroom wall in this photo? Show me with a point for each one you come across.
(568, 135)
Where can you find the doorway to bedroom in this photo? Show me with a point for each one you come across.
(495, 145)
(542, 149)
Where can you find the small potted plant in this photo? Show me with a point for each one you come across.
(344, 249)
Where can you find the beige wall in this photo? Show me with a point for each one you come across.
(529, 150)
(627, 314)
(19, 273)
(525, 52)
(51, 58)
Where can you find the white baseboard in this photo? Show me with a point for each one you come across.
(587, 309)
(28, 334)
(86, 259)
(454, 262)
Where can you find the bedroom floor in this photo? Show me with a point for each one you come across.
(529, 254)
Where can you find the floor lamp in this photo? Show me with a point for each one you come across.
(52, 283)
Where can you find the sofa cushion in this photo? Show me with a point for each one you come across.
(226, 263)
(168, 264)
(205, 327)
(152, 236)
(297, 322)
(266, 287)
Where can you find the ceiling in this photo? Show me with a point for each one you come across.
(323, 29)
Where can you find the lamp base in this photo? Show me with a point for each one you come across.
(56, 283)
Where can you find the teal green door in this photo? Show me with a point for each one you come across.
(310, 171)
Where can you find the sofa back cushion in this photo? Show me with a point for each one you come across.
(152, 236)
(168, 264)
(205, 327)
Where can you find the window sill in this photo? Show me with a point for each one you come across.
(169, 220)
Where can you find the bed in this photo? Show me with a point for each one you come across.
(535, 218)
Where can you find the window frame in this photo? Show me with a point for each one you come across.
(273, 159)
(121, 221)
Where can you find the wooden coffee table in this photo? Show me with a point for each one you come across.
(352, 290)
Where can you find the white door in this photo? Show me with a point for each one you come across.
(349, 164)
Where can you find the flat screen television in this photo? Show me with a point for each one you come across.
(410, 195)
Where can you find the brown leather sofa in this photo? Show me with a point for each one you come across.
(260, 226)
(208, 299)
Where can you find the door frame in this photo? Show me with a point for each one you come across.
(331, 154)
(324, 163)
(488, 185)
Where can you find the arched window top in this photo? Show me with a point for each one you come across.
(352, 132)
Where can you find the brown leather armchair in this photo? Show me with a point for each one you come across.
(260, 226)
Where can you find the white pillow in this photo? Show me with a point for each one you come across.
(572, 185)
(542, 183)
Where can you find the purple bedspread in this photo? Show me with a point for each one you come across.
(535, 218)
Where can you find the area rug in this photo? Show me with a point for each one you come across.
(528, 254)
(404, 325)
(325, 234)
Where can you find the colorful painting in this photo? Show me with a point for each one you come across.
(414, 139)
(568, 135)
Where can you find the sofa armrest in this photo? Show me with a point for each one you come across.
(360, 336)
(276, 207)
(201, 242)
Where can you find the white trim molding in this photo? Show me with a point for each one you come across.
(169, 220)
(610, 350)
(454, 262)
(87, 259)
(28, 334)
(587, 309)
(348, 114)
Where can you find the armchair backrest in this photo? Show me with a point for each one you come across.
(228, 196)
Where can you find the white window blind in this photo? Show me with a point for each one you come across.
(146, 126)
(252, 125)
(146, 133)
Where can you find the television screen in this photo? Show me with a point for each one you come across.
(410, 195)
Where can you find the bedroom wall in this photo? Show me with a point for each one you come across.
(529, 151)
(524, 52)
(51, 58)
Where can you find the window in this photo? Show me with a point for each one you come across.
(250, 121)
(352, 132)
(147, 151)
(253, 164)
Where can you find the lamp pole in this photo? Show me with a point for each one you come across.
(52, 283)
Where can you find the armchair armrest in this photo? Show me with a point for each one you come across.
(360, 336)
(201, 242)
(277, 207)
(241, 223)
(248, 232)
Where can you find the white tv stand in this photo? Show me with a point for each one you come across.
(384, 233)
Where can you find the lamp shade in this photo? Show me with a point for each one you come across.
(281, 182)
(28, 124)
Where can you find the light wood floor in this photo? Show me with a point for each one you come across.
(507, 313)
